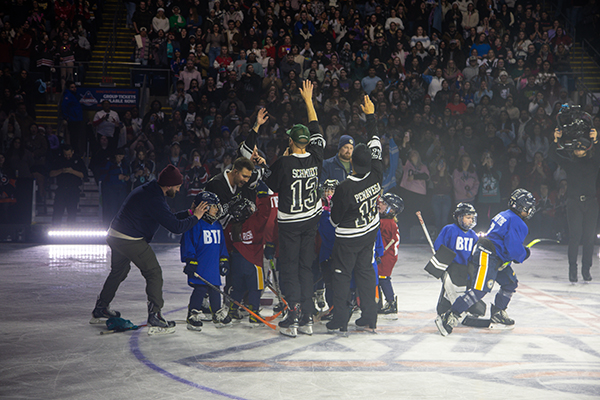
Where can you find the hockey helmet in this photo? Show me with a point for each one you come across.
(213, 200)
(575, 125)
(522, 200)
(328, 187)
(242, 209)
(395, 204)
(461, 210)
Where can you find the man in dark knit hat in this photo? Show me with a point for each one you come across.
(339, 166)
(129, 236)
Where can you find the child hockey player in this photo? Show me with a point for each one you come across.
(203, 251)
(327, 237)
(460, 238)
(245, 243)
(389, 206)
(490, 260)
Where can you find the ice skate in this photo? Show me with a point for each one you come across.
(279, 307)
(221, 318)
(362, 325)
(319, 299)
(587, 277)
(157, 324)
(500, 319)
(446, 322)
(390, 310)
(305, 326)
(255, 322)
(101, 313)
(289, 325)
(234, 313)
(327, 315)
(194, 321)
(335, 328)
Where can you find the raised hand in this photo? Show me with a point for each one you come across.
(368, 107)
(307, 90)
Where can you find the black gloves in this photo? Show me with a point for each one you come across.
(224, 266)
(190, 268)
(269, 251)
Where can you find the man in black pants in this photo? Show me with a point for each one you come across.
(575, 149)
(69, 171)
(295, 177)
(355, 215)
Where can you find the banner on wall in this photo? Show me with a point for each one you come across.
(92, 98)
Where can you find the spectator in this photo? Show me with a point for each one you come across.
(142, 47)
(142, 17)
(106, 121)
(114, 180)
(465, 181)
(69, 171)
(177, 21)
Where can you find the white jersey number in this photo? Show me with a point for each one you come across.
(368, 212)
(304, 197)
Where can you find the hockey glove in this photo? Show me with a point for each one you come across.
(190, 268)
(269, 251)
(528, 251)
(262, 190)
(224, 266)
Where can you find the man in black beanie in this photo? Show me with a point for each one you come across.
(129, 236)
(356, 219)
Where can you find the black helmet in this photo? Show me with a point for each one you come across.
(575, 125)
(461, 210)
(211, 199)
(394, 202)
(522, 200)
(329, 184)
(242, 209)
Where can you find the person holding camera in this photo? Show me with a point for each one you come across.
(575, 150)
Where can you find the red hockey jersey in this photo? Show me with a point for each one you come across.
(389, 233)
(252, 234)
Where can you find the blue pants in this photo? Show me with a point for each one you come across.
(198, 294)
(246, 276)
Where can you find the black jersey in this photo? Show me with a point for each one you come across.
(296, 179)
(354, 205)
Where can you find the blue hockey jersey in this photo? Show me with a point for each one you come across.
(507, 232)
(457, 240)
(327, 233)
(204, 243)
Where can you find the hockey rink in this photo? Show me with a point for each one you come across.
(48, 349)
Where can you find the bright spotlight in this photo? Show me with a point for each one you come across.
(77, 234)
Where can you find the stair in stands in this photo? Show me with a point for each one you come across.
(119, 67)
(587, 67)
(46, 115)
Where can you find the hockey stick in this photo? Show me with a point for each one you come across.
(529, 245)
(285, 304)
(425, 230)
(258, 317)
(389, 244)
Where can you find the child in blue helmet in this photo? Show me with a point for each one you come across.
(204, 252)
(491, 259)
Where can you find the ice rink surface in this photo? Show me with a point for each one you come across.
(48, 350)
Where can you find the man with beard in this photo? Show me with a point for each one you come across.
(129, 236)
(339, 166)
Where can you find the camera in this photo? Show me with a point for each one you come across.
(575, 125)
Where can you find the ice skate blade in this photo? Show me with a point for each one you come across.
(338, 332)
(97, 321)
(389, 317)
(206, 317)
(501, 327)
(220, 325)
(291, 332)
(254, 325)
(190, 327)
(366, 329)
(440, 325)
(158, 330)
(306, 330)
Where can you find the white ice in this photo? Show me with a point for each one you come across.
(48, 350)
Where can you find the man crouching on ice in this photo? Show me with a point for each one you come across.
(491, 260)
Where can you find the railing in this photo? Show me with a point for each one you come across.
(155, 76)
(109, 52)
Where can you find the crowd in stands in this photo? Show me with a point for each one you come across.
(466, 93)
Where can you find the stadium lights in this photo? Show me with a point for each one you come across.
(481, 234)
(77, 234)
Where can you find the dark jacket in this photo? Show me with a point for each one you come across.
(333, 169)
(145, 209)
